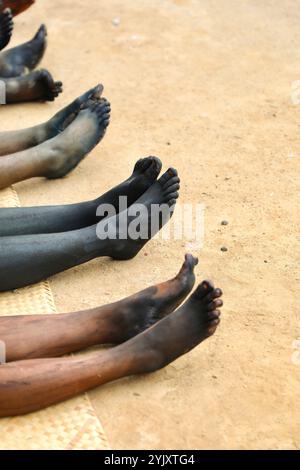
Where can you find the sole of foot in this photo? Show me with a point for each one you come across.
(67, 115)
(76, 142)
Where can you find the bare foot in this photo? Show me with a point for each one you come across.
(178, 333)
(24, 58)
(162, 195)
(61, 120)
(69, 148)
(139, 312)
(35, 86)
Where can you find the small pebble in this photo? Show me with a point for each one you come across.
(224, 249)
(224, 222)
(116, 21)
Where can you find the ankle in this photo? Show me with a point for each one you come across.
(41, 133)
(142, 356)
(105, 326)
(52, 161)
(48, 130)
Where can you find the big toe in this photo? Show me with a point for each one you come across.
(190, 262)
(41, 34)
(168, 177)
(203, 289)
(154, 168)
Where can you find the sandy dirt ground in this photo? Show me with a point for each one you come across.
(206, 86)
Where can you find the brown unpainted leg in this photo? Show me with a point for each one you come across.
(29, 337)
(28, 386)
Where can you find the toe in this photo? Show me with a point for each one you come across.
(203, 289)
(145, 163)
(141, 164)
(46, 75)
(214, 294)
(172, 196)
(104, 116)
(94, 95)
(191, 261)
(188, 266)
(212, 326)
(154, 169)
(97, 91)
(172, 204)
(172, 172)
(217, 303)
(166, 177)
(157, 162)
(103, 110)
(104, 102)
(214, 315)
(41, 34)
(172, 181)
(173, 188)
